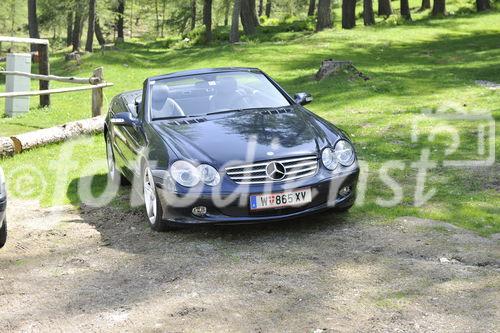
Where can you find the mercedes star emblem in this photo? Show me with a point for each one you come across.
(275, 171)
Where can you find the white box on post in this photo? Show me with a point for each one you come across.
(19, 62)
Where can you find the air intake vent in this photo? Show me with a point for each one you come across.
(276, 111)
(189, 121)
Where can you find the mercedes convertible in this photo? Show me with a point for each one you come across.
(227, 145)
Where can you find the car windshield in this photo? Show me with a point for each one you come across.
(213, 93)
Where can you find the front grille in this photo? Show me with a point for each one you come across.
(296, 168)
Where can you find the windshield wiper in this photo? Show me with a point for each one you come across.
(237, 110)
(172, 117)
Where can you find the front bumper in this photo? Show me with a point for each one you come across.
(177, 208)
(3, 208)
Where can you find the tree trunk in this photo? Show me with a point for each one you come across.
(234, 36)
(120, 12)
(324, 15)
(312, 8)
(69, 28)
(439, 8)
(405, 10)
(207, 20)
(132, 18)
(368, 16)
(384, 8)
(483, 5)
(261, 8)
(91, 27)
(348, 14)
(227, 8)
(426, 4)
(249, 16)
(33, 23)
(162, 24)
(77, 26)
(98, 33)
(269, 6)
(193, 14)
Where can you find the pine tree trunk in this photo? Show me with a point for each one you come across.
(384, 8)
(324, 20)
(261, 8)
(312, 8)
(426, 4)
(207, 20)
(98, 33)
(77, 26)
(483, 5)
(120, 12)
(33, 23)
(193, 14)
(405, 10)
(368, 16)
(227, 8)
(439, 8)
(91, 27)
(248, 15)
(234, 36)
(269, 5)
(348, 14)
(69, 28)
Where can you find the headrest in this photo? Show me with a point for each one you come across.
(227, 84)
(159, 95)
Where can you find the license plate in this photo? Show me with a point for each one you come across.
(278, 200)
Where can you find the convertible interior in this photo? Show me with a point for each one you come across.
(200, 97)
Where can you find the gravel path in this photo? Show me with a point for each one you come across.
(104, 270)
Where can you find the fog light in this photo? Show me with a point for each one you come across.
(344, 191)
(199, 211)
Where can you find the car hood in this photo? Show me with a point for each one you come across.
(248, 136)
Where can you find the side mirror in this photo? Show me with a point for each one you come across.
(303, 98)
(124, 119)
(137, 102)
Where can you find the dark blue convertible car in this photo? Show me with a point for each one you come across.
(227, 145)
(3, 207)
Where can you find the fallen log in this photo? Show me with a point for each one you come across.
(6, 147)
(19, 143)
(332, 67)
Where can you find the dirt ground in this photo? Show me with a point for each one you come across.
(104, 270)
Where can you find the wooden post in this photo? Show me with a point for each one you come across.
(44, 69)
(97, 94)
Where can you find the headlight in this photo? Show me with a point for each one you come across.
(185, 173)
(209, 175)
(188, 175)
(329, 158)
(344, 152)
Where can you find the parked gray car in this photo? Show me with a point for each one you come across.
(3, 207)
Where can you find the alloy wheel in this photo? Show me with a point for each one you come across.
(150, 196)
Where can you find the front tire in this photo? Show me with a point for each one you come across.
(3, 234)
(154, 211)
(113, 173)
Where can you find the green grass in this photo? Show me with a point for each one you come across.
(428, 64)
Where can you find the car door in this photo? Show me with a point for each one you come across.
(129, 142)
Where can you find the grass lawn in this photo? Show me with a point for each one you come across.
(425, 65)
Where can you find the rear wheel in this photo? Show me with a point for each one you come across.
(3, 234)
(154, 210)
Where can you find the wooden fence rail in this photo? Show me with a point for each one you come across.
(95, 83)
(92, 80)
